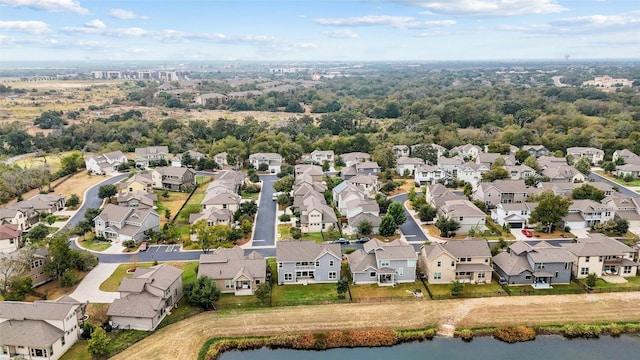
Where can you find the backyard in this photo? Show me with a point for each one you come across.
(113, 282)
(443, 291)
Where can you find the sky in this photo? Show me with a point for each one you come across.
(318, 30)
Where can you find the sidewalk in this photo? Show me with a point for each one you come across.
(89, 288)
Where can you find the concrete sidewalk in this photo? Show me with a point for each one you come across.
(89, 288)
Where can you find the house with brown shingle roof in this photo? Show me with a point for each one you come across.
(121, 223)
(10, 238)
(39, 329)
(233, 271)
(501, 191)
(173, 178)
(466, 213)
(304, 262)
(463, 260)
(383, 263)
(147, 297)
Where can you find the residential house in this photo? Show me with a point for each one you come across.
(501, 191)
(516, 215)
(536, 150)
(194, 155)
(541, 265)
(221, 159)
(140, 182)
(210, 99)
(628, 170)
(401, 151)
(147, 297)
(369, 184)
(566, 188)
(30, 216)
(364, 216)
(428, 174)
(487, 159)
(353, 158)
(520, 172)
(468, 151)
(10, 238)
(106, 163)
(37, 268)
(39, 329)
(563, 173)
(320, 156)
(467, 261)
(383, 263)
(221, 200)
(213, 216)
(46, 203)
(585, 214)
(451, 165)
(233, 272)
(303, 262)
(439, 150)
(140, 199)
(151, 155)
(174, 179)
(272, 161)
(365, 168)
(314, 171)
(406, 166)
(627, 208)
(121, 223)
(627, 156)
(594, 155)
(438, 194)
(316, 215)
(551, 161)
(602, 255)
(466, 213)
(472, 172)
(16, 216)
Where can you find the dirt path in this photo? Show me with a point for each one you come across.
(183, 340)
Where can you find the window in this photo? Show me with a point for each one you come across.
(257, 281)
(439, 263)
(463, 259)
(584, 271)
(566, 266)
(317, 263)
(541, 266)
(481, 274)
(228, 284)
(586, 259)
(527, 277)
(12, 241)
(461, 218)
(557, 273)
(279, 265)
(372, 274)
(400, 271)
(38, 352)
(62, 340)
(600, 259)
(330, 263)
(411, 263)
(437, 276)
(333, 275)
(453, 264)
(288, 277)
(627, 269)
(384, 263)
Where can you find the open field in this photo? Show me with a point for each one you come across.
(77, 184)
(184, 339)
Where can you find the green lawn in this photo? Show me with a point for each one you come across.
(304, 294)
(469, 290)
(572, 288)
(284, 234)
(632, 282)
(113, 282)
(230, 301)
(252, 196)
(618, 180)
(77, 352)
(95, 245)
(369, 291)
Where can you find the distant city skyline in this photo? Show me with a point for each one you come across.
(323, 30)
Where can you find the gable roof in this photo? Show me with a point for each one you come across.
(296, 250)
(597, 245)
(31, 333)
(468, 248)
(232, 263)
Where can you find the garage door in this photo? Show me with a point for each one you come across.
(515, 225)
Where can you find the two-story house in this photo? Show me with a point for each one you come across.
(406, 166)
(172, 178)
(466, 213)
(272, 161)
(369, 184)
(151, 155)
(462, 260)
(320, 156)
(233, 271)
(10, 238)
(353, 158)
(594, 155)
(536, 150)
(313, 171)
(585, 214)
(147, 297)
(472, 172)
(195, 156)
(304, 262)
(516, 215)
(602, 255)
(451, 165)
(520, 172)
(541, 265)
(563, 173)
(106, 163)
(139, 182)
(467, 151)
(428, 174)
(120, 223)
(626, 156)
(501, 191)
(383, 263)
(39, 329)
(401, 150)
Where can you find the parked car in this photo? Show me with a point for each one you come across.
(144, 246)
(341, 241)
(362, 240)
(527, 233)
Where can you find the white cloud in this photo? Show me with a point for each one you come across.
(597, 20)
(31, 27)
(340, 34)
(123, 14)
(593, 24)
(95, 23)
(488, 7)
(398, 22)
(48, 5)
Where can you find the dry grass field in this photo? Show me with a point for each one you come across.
(184, 339)
(77, 184)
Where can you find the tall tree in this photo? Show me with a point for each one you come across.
(447, 226)
(14, 265)
(587, 191)
(551, 209)
(202, 292)
(396, 210)
(61, 256)
(99, 346)
(387, 226)
(583, 165)
(107, 191)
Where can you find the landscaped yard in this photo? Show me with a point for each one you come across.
(284, 234)
(304, 294)
(572, 288)
(90, 244)
(113, 282)
(620, 181)
(372, 291)
(632, 282)
(52, 290)
(469, 290)
(230, 302)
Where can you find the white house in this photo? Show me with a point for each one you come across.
(594, 155)
(408, 165)
(273, 161)
(428, 174)
(106, 163)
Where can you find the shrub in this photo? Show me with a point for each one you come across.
(573, 331)
(87, 330)
(515, 334)
(464, 334)
(284, 217)
(129, 244)
(296, 233)
(68, 278)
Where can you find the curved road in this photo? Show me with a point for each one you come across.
(410, 229)
(91, 199)
(621, 189)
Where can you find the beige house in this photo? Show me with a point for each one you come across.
(592, 154)
(138, 182)
(147, 297)
(602, 255)
(10, 238)
(147, 155)
(234, 272)
(463, 260)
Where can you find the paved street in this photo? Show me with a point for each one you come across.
(264, 234)
(623, 190)
(410, 229)
(91, 199)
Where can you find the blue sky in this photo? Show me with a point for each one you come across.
(318, 30)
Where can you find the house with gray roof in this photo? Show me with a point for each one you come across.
(401, 150)
(501, 191)
(194, 155)
(585, 214)
(551, 161)
(536, 150)
(119, 223)
(233, 271)
(594, 155)
(46, 203)
(173, 178)
(627, 208)
(541, 265)
(213, 216)
(139, 199)
(472, 172)
(272, 161)
(210, 99)
(305, 262)
(466, 261)
(314, 171)
(320, 156)
(467, 151)
(428, 174)
(563, 173)
(147, 297)
(18, 216)
(353, 158)
(466, 213)
(601, 255)
(151, 154)
(406, 166)
(39, 329)
(487, 159)
(106, 163)
(383, 263)
(625, 170)
(451, 165)
(369, 184)
(627, 156)
(516, 215)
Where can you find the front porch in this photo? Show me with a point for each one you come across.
(386, 277)
(542, 280)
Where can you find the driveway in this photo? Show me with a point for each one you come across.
(264, 234)
(410, 229)
(89, 288)
(519, 235)
(580, 233)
